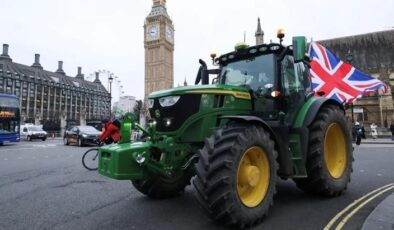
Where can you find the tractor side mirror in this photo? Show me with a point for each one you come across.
(299, 48)
(202, 74)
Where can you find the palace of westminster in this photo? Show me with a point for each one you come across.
(56, 100)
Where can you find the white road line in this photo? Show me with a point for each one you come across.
(17, 149)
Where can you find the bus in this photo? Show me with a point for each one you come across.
(9, 118)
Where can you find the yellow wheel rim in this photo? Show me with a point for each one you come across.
(335, 150)
(253, 177)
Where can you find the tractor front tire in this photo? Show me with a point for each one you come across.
(160, 187)
(236, 175)
(330, 154)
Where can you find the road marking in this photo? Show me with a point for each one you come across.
(354, 203)
(344, 220)
(33, 148)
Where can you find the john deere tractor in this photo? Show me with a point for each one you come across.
(257, 121)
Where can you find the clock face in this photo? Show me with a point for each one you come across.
(169, 34)
(153, 32)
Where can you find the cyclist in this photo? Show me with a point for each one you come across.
(111, 133)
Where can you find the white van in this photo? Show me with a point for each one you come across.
(30, 132)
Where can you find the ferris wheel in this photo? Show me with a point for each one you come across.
(110, 81)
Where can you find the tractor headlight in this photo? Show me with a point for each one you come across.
(168, 101)
(151, 102)
(167, 121)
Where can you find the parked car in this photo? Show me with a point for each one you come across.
(30, 132)
(81, 135)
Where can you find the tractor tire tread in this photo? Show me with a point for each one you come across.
(319, 181)
(160, 188)
(214, 188)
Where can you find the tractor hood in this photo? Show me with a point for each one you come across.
(236, 91)
(172, 108)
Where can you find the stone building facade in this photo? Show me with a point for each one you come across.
(53, 99)
(159, 49)
(372, 53)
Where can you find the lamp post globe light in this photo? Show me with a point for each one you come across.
(349, 59)
(107, 78)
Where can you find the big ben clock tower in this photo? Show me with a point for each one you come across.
(159, 49)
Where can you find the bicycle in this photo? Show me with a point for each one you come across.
(90, 158)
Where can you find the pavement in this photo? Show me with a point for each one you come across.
(377, 141)
(382, 217)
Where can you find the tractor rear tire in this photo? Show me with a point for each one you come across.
(236, 175)
(330, 154)
(160, 187)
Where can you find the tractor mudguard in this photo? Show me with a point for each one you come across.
(315, 107)
(280, 135)
(119, 161)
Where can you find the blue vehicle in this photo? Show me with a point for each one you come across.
(9, 118)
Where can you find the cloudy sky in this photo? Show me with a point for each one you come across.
(102, 34)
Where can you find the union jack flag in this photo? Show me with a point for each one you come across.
(337, 79)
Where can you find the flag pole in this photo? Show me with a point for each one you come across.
(349, 58)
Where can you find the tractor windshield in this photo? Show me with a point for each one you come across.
(256, 73)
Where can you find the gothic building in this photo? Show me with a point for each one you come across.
(53, 99)
(372, 53)
(159, 49)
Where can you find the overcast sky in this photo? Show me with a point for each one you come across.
(103, 34)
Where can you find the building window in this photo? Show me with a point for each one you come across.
(1, 84)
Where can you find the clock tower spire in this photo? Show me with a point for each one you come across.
(159, 49)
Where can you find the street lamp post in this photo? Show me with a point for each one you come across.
(349, 58)
(110, 79)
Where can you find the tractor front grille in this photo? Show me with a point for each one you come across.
(172, 117)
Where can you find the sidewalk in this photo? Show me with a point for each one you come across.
(386, 140)
(382, 217)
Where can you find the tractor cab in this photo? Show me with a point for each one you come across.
(276, 76)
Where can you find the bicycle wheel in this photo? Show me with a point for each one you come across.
(90, 159)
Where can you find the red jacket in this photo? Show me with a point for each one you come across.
(110, 130)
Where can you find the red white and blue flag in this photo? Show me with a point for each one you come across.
(337, 79)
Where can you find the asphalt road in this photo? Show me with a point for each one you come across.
(44, 186)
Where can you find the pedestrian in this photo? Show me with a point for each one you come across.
(374, 131)
(363, 131)
(358, 133)
(392, 131)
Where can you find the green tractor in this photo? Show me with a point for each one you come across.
(233, 139)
